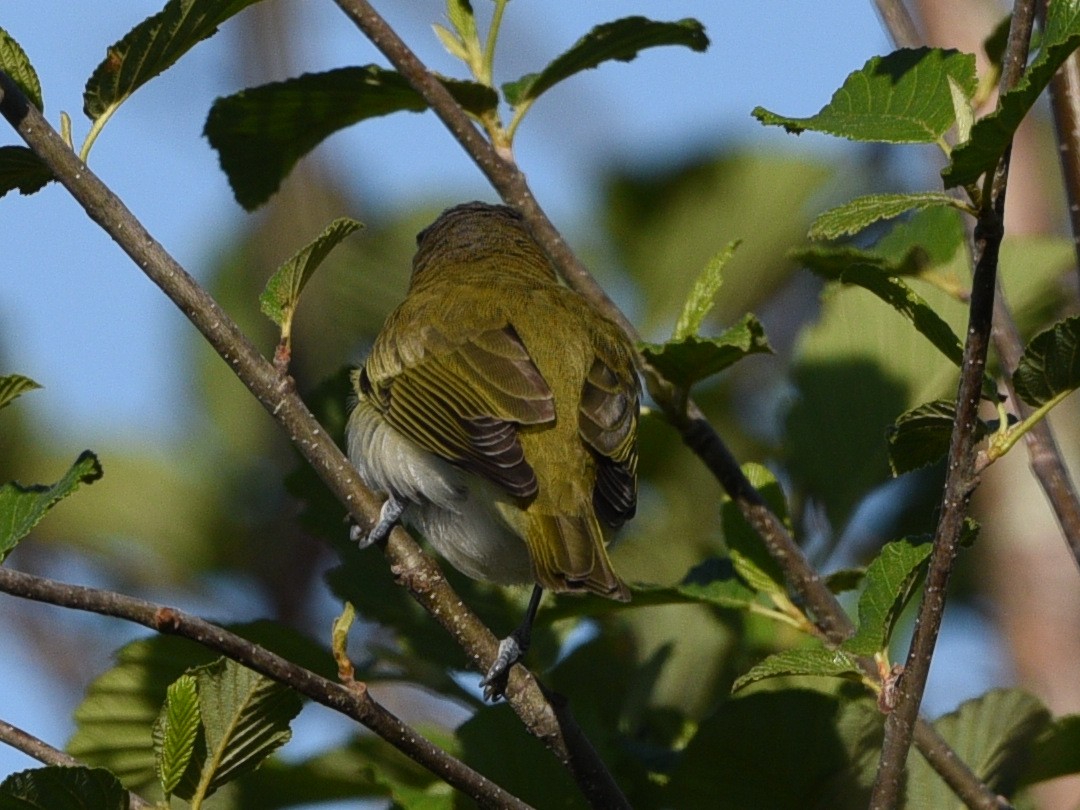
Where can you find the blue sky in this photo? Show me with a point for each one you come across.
(78, 317)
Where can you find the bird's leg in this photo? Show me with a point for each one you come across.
(511, 650)
(389, 515)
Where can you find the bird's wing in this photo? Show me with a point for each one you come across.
(465, 402)
(607, 423)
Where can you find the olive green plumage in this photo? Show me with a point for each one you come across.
(502, 408)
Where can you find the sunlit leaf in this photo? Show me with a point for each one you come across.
(854, 216)
(692, 359)
(818, 661)
(14, 385)
(16, 64)
(900, 98)
(702, 296)
(175, 731)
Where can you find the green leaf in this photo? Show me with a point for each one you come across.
(175, 731)
(900, 98)
(622, 39)
(21, 169)
(992, 134)
(1050, 365)
(692, 359)
(891, 580)
(845, 579)
(282, 293)
(23, 507)
(849, 266)
(921, 436)
(245, 718)
(16, 64)
(747, 551)
(260, 133)
(817, 661)
(703, 294)
(14, 385)
(993, 734)
(852, 217)
(62, 788)
(152, 47)
(1056, 752)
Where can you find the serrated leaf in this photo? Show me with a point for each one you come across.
(853, 216)
(622, 40)
(877, 275)
(175, 731)
(62, 788)
(1056, 752)
(900, 98)
(890, 582)
(245, 718)
(12, 386)
(692, 359)
(260, 133)
(992, 133)
(703, 294)
(23, 507)
(993, 735)
(460, 14)
(152, 47)
(748, 553)
(453, 44)
(21, 169)
(16, 64)
(818, 662)
(282, 293)
(1050, 365)
(921, 436)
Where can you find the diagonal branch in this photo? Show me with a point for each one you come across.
(352, 702)
(961, 478)
(832, 622)
(277, 394)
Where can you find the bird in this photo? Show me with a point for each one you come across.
(498, 410)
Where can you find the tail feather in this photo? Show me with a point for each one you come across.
(569, 555)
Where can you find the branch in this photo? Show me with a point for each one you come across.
(897, 20)
(43, 752)
(960, 480)
(353, 702)
(1065, 106)
(416, 570)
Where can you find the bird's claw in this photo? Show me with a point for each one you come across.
(498, 674)
(389, 515)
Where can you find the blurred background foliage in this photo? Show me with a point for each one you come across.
(227, 520)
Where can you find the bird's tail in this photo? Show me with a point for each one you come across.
(569, 555)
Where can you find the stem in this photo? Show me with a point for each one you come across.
(357, 704)
(1065, 106)
(416, 570)
(898, 22)
(492, 39)
(960, 479)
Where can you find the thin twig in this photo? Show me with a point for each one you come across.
(415, 569)
(1065, 106)
(45, 753)
(960, 479)
(897, 19)
(354, 703)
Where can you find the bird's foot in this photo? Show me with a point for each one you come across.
(389, 515)
(510, 652)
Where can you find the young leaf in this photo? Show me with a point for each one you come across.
(921, 436)
(22, 507)
(152, 47)
(748, 553)
(685, 362)
(260, 133)
(245, 718)
(175, 731)
(61, 788)
(992, 134)
(16, 64)
(703, 294)
(1050, 365)
(817, 661)
(849, 266)
(622, 39)
(14, 385)
(282, 293)
(993, 734)
(23, 170)
(890, 582)
(853, 216)
(900, 98)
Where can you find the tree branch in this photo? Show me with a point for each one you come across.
(960, 478)
(354, 702)
(43, 752)
(277, 394)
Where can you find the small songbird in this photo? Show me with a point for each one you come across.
(498, 409)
